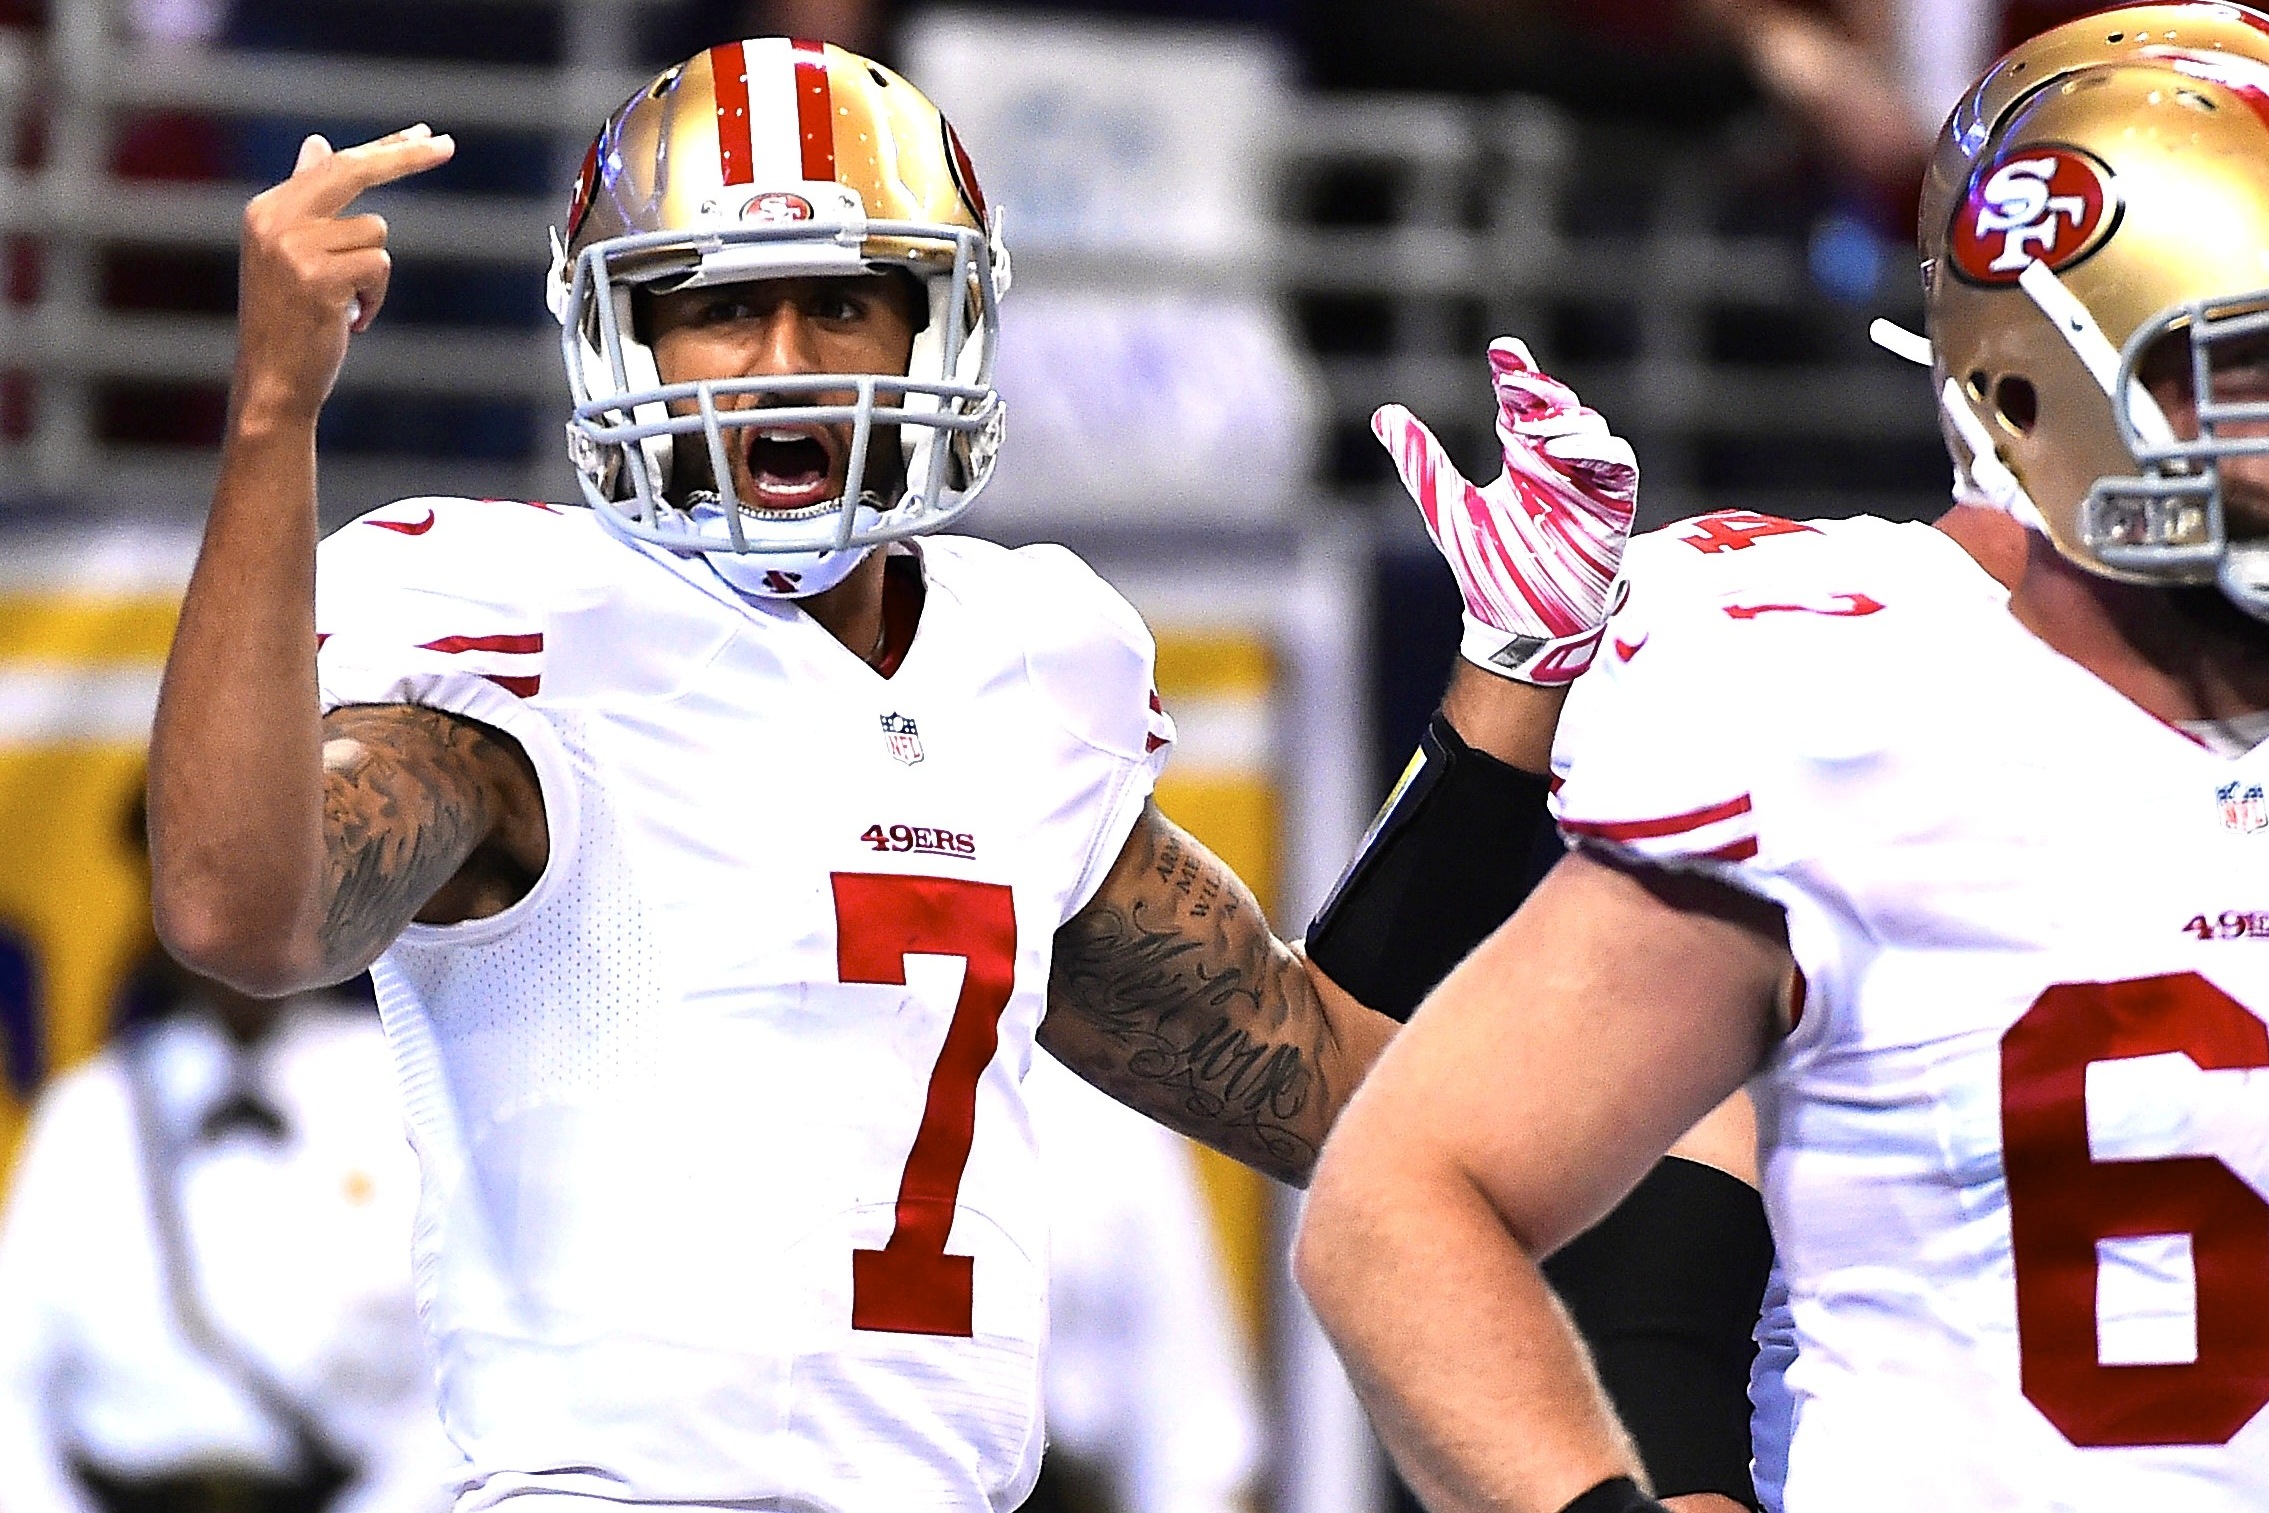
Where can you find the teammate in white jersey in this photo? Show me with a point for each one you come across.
(719, 842)
(1960, 879)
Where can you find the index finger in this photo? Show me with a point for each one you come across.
(334, 182)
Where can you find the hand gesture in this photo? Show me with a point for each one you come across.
(1535, 553)
(310, 276)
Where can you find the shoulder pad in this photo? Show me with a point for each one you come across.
(1743, 567)
(1085, 648)
(449, 521)
(489, 551)
(1731, 550)
(1747, 650)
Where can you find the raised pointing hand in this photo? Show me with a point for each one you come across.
(310, 275)
(1536, 552)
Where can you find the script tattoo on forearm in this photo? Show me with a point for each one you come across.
(407, 797)
(1170, 993)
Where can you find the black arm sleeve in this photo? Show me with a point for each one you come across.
(1460, 842)
(1666, 1290)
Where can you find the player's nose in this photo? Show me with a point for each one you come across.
(784, 342)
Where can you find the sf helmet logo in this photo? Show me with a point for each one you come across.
(2054, 204)
(777, 208)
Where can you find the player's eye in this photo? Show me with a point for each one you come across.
(726, 308)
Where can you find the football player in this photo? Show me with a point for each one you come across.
(718, 843)
(1958, 876)
(1666, 1289)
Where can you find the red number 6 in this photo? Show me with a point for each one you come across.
(2061, 1202)
(911, 1286)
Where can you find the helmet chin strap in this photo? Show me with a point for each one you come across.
(1987, 474)
(2077, 325)
(776, 575)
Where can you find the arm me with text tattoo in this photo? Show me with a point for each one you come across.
(1170, 992)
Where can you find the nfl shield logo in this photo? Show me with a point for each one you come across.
(906, 742)
(2244, 809)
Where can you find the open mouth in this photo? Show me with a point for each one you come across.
(789, 470)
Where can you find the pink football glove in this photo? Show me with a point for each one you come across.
(1535, 553)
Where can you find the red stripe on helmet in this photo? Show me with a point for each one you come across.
(964, 172)
(728, 74)
(586, 184)
(815, 109)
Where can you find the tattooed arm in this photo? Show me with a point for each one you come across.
(286, 849)
(1170, 993)
(425, 815)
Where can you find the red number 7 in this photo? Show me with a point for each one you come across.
(911, 1286)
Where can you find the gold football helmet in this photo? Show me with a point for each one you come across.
(773, 158)
(2106, 185)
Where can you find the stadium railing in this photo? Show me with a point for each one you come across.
(1414, 228)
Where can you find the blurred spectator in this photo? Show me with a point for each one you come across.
(1837, 70)
(205, 1293)
(1871, 83)
(1868, 81)
(1150, 1401)
(1836, 67)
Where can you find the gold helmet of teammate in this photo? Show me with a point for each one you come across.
(773, 158)
(2102, 197)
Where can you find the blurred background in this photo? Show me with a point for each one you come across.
(1238, 225)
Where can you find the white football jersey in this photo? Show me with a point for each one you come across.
(2016, 1147)
(729, 1194)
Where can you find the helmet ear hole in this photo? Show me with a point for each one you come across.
(2016, 404)
(1976, 385)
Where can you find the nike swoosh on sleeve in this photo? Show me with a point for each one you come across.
(1843, 607)
(406, 527)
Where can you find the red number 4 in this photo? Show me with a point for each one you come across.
(1735, 530)
(2062, 1202)
(911, 1286)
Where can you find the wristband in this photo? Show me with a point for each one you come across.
(1665, 1291)
(1449, 858)
(1617, 1494)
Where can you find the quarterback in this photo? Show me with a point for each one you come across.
(1956, 880)
(719, 841)
(722, 844)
